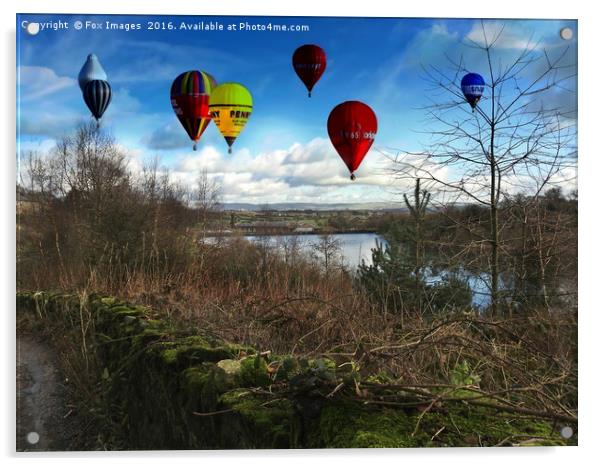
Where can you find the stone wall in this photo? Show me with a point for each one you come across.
(166, 387)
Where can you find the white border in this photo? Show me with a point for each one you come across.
(589, 231)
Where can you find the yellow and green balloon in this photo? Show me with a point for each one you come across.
(230, 105)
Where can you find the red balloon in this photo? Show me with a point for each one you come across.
(190, 101)
(352, 127)
(309, 62)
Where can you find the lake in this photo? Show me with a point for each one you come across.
(354, 246)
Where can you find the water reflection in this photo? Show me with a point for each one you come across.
(355, 247)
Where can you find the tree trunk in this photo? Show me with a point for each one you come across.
(494, 260)
(541, 259)
(494, 233)
(418, 268)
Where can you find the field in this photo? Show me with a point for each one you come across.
(410, 344)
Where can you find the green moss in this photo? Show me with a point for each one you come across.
(193, 354)
(191, 350)
(380, 377)
(478, 426)
(230, 366)
(194, 340)
(157, 375)
(108, 301)
(271, 423)
(349, 425)
(170, 356)
(123, 311)
(288, 368)
(148, 335)
(323, 364)
(194, 378)
(155, 323)
(254, 372)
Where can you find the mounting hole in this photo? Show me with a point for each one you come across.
(32, 28)
(33, 438)
(566, 432)
(566, 33)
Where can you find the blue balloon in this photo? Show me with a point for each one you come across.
(473, 86)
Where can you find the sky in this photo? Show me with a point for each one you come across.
(283, 154)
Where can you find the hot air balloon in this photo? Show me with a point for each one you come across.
(190, 101)
(91, 70)
(352, 127)
(230, 105)
(96, 91)
(473, 86)
(309, 62)
(97, 95)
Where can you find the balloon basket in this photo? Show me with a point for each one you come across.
(229, 150)
(194, 146)
(352, 177)
(309, 94)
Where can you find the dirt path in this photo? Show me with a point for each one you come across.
(43, 421)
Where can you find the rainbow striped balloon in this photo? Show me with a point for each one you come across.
(189, 95)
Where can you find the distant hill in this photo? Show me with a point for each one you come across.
(310, 206)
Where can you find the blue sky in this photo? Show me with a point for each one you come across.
(283, 155)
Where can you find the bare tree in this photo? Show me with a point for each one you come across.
(326, 250)
(517, 140)
(207, 197)
(88, 215)
(417, 211)
(291, 247)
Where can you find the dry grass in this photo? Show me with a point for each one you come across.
(250, 294)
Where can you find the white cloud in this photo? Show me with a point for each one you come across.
(311, 172)
(123, 102)
(134, 159)
(167, 136)
(565, 179)
(507, 35)
(39, 81)
(41, 146)
(46, 123)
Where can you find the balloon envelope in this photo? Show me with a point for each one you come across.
(230, 105)
(190, 101)
(309, 62)
(92, 70)
(473, 86)
(97, 95)
(352, 127)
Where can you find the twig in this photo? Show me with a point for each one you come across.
(437, 433)
(213, 413)
(517, 410)
(336, 389)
